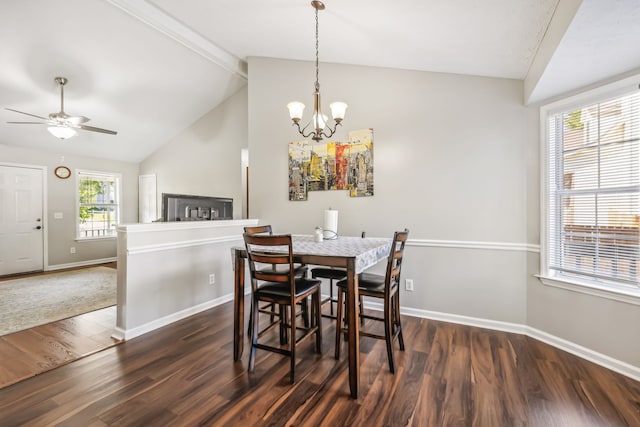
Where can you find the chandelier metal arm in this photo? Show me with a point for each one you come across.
(331, 131)
(301, 131)
(315, 135)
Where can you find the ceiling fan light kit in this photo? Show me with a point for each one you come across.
(62, 125)
(320, 126)
(62, 132)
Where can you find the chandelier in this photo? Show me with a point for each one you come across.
(319, 124)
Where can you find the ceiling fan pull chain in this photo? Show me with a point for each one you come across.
(62, 97)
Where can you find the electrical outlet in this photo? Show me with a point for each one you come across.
(212, 279)
(408, 284)
(72, 250)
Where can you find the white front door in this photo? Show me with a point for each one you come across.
(21, 221)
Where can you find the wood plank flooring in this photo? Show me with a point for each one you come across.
(451, 375)
(30, 352)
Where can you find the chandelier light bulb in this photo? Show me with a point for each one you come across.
(295, 110)
(338, 109)
(319, 121)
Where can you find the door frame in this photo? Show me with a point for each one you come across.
(45, 216)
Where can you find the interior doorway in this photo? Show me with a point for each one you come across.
(21, 219)
(244, 167)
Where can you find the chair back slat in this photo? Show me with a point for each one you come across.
(259, 229)
(271, 250)
(394, 260)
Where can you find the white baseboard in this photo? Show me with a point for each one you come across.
(128, 334)
(81, 263)
(118, 334)
(608, 362)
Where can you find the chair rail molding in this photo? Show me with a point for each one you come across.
(467, 244)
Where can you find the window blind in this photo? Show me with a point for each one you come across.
(594, 191)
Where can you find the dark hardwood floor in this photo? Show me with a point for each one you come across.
(452, 375)
(30, 352)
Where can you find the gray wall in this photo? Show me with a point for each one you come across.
(61, 197)
(457, 162)
(451, 156)
(205, 159)
(599, 324)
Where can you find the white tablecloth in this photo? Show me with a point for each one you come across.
(368, 251)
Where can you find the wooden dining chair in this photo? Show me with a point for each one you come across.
(383, 287)
(332, 274)
(282, 288)
(300, 270)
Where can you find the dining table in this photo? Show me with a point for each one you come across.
(354, 254)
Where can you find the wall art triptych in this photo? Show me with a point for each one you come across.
(323, 166)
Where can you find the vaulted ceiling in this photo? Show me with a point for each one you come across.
(150, 68)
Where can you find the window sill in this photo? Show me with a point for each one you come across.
(626, 295)
(93, 239)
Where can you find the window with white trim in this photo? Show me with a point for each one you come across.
(98, 204)
(592, 193)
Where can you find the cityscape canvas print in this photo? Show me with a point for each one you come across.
(332, 165)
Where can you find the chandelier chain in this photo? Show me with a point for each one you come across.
(317, 60)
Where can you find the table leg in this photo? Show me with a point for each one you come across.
(354, 328)
(238, 305)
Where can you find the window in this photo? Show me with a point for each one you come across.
(98, 204)
(591, 231)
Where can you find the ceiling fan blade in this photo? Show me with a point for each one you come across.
(29, 123)
(28, 114)
(94, 129)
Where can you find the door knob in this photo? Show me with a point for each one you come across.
(38, 227)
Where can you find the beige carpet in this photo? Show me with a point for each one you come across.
(33, 301)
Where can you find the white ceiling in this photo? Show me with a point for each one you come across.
(149, 69)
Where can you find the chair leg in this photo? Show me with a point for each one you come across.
(254, 333)
(292, 345)
(339, 320)
(250, 325)
(273, 312)
(271, 316)
(304, 305)
(318, 320)
(331, 296)
(345, 331)
(283, 324)
(388, 333)
(398, 321)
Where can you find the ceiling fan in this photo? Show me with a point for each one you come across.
(62, 125)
